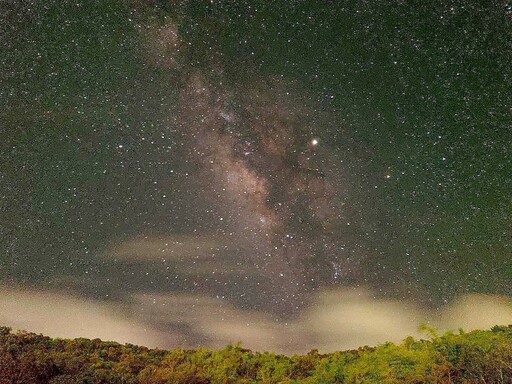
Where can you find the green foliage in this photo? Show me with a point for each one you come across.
(473, 357)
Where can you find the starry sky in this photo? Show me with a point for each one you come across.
(237, 159)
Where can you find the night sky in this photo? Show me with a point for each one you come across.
(249, 161)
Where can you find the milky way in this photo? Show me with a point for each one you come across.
(266, 182)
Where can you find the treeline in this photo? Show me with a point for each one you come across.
(474, 357)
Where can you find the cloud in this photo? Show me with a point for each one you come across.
(170, 247)
(344, 319)
(337, 319)
(477, 311)
(214, 322)
(60, 315)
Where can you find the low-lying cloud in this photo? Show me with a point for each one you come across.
(336, 320)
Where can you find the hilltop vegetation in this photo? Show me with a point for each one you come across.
(474, 357)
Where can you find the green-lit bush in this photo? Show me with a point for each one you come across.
(474, 357)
